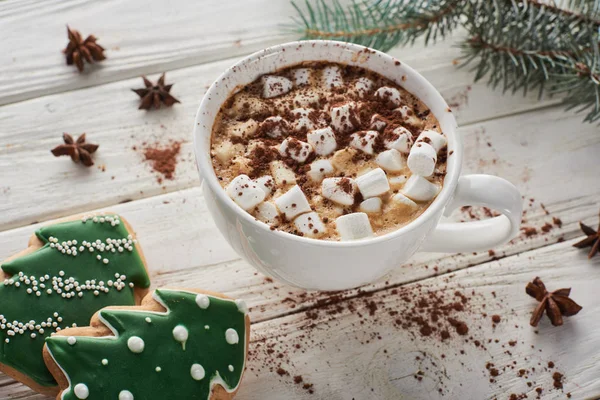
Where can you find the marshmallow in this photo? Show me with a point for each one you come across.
(301, 119)
(364, 141)
(281, 173)
(340, 117)
(418, 188)
(301, 76)
(310, 224)
(266, 183)
(323, 141)
(363, 85)
(389, 94)
(371, 206)
(295, 149)
(397, 180)
(275, 127)
(409, 115)
(245, 192)
(306, 99)
(332, 77)
(378, 123)
(390, 160)
(274, 86)
(227, 150)
(267, 213)
(405, 111)
(353, 226)
(434, 139)
(292, 203)
(402, 200)
(422, 159)
(319, 169)
(339, 190)
(372, 184)
(401, 140)
(243, 129)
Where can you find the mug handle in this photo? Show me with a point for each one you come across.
(479, 190)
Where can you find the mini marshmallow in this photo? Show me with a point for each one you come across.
(266, 183)
(409, 116)
(354, 226)
(371, 206)
(363, 85)
(319, 169)
(306, 99)
(389, 94)
(267, 212)
(372, 184)
(398, 180)
(332, 77)
(422, 159)
(295, 149)
(339, 190)
(292, 203)
(401, 140)
(275, 127)
(434, 139)
(274, 86)
(227, 150)
(243, 129)
(301, 76)
(402, 200)
(405, 111)
(364, 141)
(418, 188)
(378, 123)
(281, 173)
(322, 140)
(390, 160)
(245, 192)
(340, 117)
(310, 224)
(301, 119)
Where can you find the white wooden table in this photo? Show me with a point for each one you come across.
(549, 154)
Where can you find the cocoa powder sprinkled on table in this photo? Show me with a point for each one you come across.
(163, 159)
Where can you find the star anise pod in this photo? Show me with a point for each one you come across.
(557, 304)
(78, 50)
(79, 150)
(592, 239)
(154, 95)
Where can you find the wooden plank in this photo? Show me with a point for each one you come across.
(139, 38)
(348, 353)
(108, 115)
(358, 347)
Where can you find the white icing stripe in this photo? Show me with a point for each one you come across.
(66, 287)
(215, 380)
(70, 248)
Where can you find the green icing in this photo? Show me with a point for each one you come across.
(123, 369)
(19, 300)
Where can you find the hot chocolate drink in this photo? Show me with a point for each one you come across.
(328, 151)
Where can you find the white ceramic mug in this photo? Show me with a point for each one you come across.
(329, 265)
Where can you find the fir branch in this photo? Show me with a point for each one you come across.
(516, 44)
(382, 24)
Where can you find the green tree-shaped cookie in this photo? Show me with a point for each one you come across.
(182, 353)
(83, 266)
